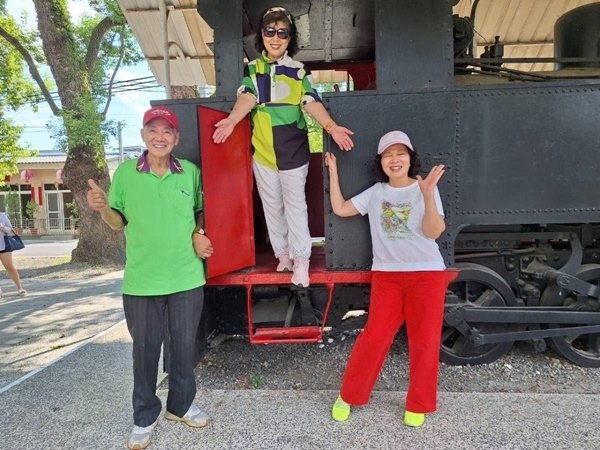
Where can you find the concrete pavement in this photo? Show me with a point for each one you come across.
(46, 248)
(82, 399)
(55, 316)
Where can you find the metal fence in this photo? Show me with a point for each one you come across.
(40, 227)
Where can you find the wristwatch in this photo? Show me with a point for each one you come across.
(200, 231)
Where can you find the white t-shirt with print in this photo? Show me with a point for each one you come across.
(395, 217)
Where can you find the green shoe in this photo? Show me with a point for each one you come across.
(414, 419)
(340, 410)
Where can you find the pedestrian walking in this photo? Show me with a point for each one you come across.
(6, 258)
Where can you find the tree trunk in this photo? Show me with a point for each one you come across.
(184, 92)
(98, 243)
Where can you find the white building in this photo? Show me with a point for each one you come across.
(40, 179)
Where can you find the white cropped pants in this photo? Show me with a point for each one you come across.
(284, 203)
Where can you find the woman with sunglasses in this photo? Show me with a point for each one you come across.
(276, 88)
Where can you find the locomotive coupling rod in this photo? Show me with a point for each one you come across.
(532, 314)
(562, 279)
(454, 316)
(476, 338)
(576, 285)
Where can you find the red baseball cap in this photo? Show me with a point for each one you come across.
(160, 112)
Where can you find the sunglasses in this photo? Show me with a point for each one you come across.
(282, 33)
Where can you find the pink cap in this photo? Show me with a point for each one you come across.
(160, 112)
(391, 138)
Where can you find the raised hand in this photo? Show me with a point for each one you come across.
(428, 184)
(341, 136)
(223, 130)
(96, 197)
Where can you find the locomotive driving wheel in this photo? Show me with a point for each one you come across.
(476, 286)
(581, 349)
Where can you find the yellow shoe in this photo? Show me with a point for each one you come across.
(413, 419)
(340, 410)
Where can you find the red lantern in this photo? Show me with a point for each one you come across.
(26, 175)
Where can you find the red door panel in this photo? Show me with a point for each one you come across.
(227, 186)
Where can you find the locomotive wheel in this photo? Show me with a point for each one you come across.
(476, 286)
(581, 349)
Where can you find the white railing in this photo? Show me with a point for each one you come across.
(58, 226)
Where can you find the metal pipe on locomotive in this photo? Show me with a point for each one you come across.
(520, 192)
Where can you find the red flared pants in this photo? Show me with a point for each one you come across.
(418, 299)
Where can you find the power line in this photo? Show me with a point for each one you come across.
(117, 87)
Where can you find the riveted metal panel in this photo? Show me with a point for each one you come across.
(409, 34)
(528, 155)
(225, 16)
(187, 113)
(427, 117)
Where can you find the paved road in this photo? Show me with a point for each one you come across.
(40, 248)
(55, 316)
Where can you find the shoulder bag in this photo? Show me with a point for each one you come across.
(12, 243)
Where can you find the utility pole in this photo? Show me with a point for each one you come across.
(120, 130)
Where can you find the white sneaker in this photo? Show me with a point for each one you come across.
(141, 436)
(194, 417)
(285, 263)
(300, 276)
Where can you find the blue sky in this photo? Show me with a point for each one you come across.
(127, 106)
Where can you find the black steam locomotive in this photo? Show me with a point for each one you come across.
(521, 147)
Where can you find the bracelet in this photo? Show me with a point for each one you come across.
(329, 126)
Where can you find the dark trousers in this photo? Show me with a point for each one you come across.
(147, 320)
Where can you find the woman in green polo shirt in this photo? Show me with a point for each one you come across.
(276, 88)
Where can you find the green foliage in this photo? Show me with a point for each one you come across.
(315, 134)
(10, 150)
(82, 126)
(315, 131)
(72, 207)
(117, 48)
(256, 381)
(31, 207)
(15, 89)
(13, 206)
(109, 8)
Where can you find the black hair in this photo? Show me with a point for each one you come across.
(413, 170)
(273, 17)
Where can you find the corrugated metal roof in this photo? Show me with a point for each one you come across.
(525, 27)
(191, 60)
(44, 160)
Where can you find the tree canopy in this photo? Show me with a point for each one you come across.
(71, 66)
(15, 90)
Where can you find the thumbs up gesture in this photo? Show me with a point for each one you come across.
(96, 197)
